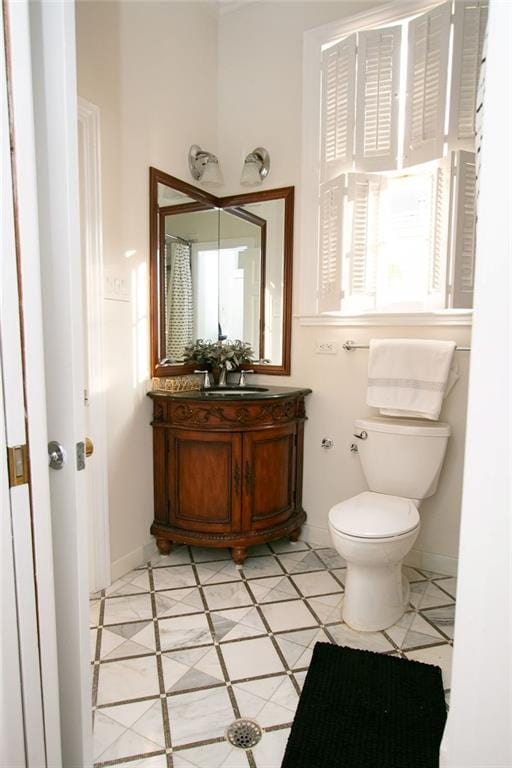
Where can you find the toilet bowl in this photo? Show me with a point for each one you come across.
(373, 533)
(376, 529)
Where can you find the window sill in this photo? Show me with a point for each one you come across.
(451, 317)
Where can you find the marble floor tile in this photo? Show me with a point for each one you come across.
(121, 610)
(220, 755)
(174, 577)
(270, 751)
(177, 602)
(261, 566)
(412, 631)
(330, 558)
(250, 658)
(295, 589)
(293, 614)
(273, 588)
(367, 641)
(297, 647)
(127, 679)
(270, 701)
(301, 562)
(177, 632)
(328, 608)
(442, 618)
(199, 715)
(230, 595)
(317, 583)
(218, 572)
(425, 594)
(179, 555)
(237, 623)
(157, 761)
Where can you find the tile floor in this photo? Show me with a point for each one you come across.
(186, 644)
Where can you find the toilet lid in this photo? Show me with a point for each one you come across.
(374, 516)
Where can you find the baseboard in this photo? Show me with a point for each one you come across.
(431, 562)
(133, 559)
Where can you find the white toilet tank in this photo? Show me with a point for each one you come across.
(402, 457)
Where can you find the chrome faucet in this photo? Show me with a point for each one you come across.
(206, 380)
(243, 374)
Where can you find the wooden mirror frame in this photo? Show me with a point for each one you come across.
(204, 200)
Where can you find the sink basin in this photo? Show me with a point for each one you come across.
(232, 391)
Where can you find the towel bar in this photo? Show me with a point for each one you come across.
(349, 345)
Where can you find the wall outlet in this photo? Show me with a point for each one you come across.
(323, 347)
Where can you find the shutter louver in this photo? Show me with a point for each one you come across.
(468, 39)
(463, 212)
(427, 66)
(338, 99)
(378, 82)
(330, 245)
(363, 193)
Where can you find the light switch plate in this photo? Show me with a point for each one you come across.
(116, 286)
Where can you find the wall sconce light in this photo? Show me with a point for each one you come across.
(256, 167)
(204, 166)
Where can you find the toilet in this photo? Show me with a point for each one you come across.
(375, 530)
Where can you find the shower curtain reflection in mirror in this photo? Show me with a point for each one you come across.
(179, 310)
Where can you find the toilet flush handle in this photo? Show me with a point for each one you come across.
(362, 435)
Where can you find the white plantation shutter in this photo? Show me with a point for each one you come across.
(468, 39)
(463, 230)
(363, 197)
(338, 99)
(427, 66)
(330, 244)
(378, 82)
(440, 194)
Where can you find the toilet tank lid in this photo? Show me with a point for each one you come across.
(374, 516)
(399, 426)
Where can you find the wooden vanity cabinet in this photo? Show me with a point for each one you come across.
(227, 474)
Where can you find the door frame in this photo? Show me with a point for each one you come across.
(94, 395)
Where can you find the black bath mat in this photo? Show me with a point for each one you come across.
(364, 710)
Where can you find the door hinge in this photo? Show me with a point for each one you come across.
(17, 459)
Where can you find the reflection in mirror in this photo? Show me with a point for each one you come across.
(220, 269)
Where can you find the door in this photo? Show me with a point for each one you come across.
(268, 476)
(52, 38)
(204, 475)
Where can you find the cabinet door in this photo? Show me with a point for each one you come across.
(268, 476)
(204, 475)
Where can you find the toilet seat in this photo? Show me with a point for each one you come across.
(374, 516)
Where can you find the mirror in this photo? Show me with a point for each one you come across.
(221, 268)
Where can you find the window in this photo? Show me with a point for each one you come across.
(396, 185)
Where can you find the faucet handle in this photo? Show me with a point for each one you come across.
(206, 380)
(243, 374)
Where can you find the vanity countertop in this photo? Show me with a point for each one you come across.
(233, 393)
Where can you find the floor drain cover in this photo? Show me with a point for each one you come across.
(244, 733)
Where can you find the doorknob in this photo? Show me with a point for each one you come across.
(89, 447)
(56, 455)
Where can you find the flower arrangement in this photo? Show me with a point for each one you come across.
(220, 354)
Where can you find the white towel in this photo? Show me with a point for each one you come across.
(410, 377)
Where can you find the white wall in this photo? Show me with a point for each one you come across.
(152, 70)
(260, 104)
